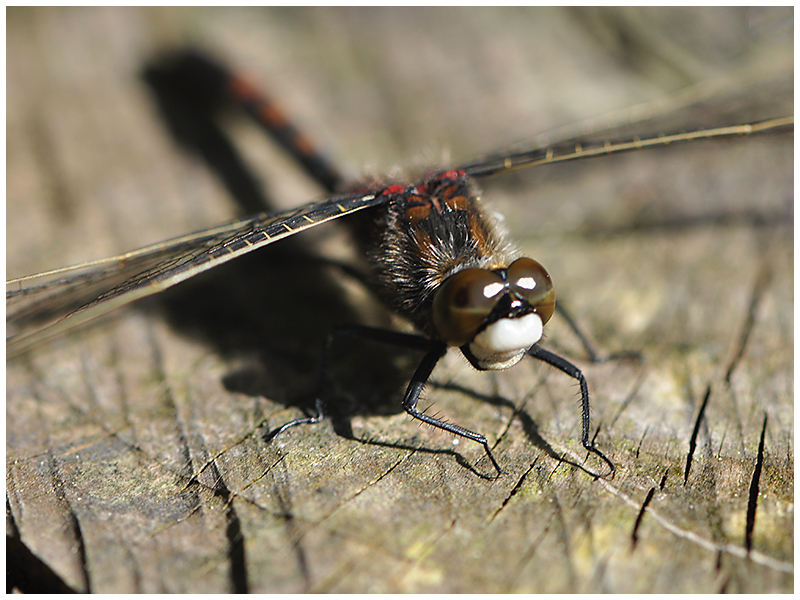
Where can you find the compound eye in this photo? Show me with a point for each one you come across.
(463, 302)
(528, 279)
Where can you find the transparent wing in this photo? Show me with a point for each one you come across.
(580, 148)
(42, 305)
(747, 103)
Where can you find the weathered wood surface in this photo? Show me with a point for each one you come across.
(134, 461)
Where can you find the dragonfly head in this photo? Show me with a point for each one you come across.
(494, 316)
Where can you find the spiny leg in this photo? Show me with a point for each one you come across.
(414, 390)
(567, 367)
(386, 336)
(435, 351)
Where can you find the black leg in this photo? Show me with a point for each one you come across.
(435, 351)
(414, 389)
(305, 420)
(567, 367)
(379, 335)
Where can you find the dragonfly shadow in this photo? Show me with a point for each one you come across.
(459, 458)
(271, 313)
(270, 310)
(529, 426)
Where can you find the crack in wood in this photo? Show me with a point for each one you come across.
(640, 516)
(763, 279)
(695, 431)
(752, 500)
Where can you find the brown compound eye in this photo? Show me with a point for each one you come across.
(528, 279)
(462, 302)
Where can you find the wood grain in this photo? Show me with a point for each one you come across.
(135, 460)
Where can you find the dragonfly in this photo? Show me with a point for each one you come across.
(437, 256)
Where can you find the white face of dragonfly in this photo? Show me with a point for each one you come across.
(494, 316)
(503, 343)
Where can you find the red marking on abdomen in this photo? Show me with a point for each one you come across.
(243, 89)
(270, 114)
(393, 189)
